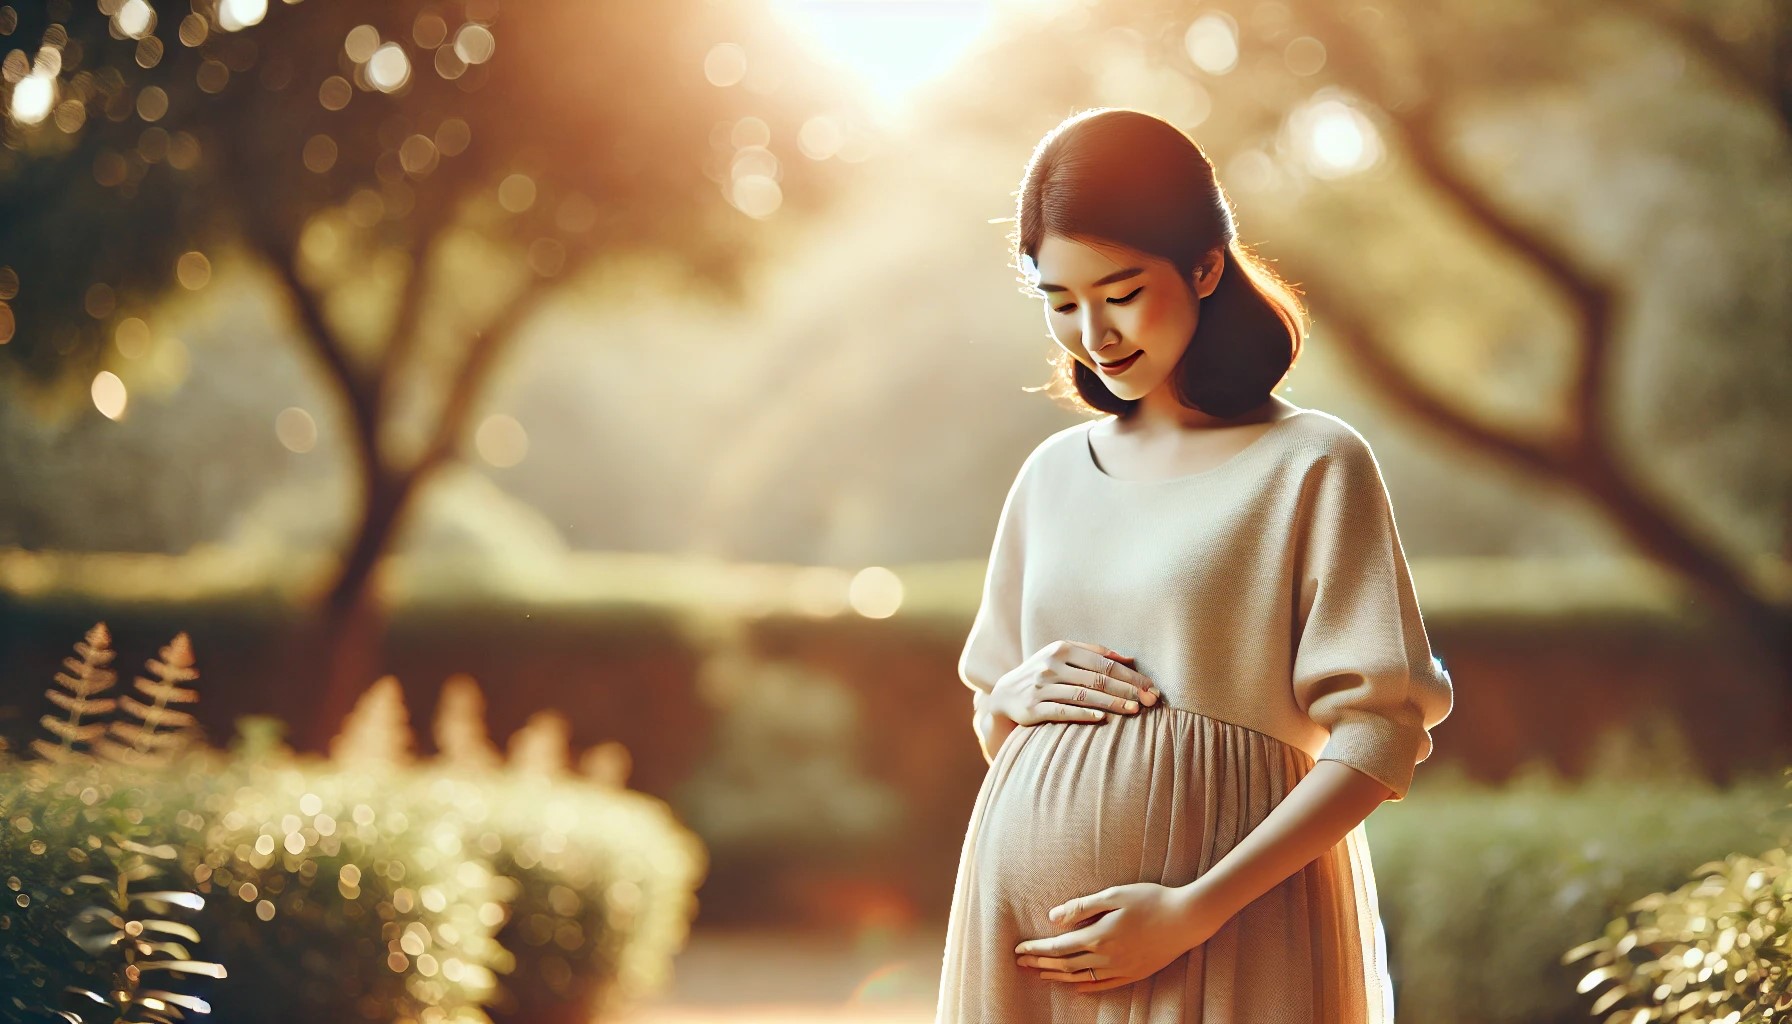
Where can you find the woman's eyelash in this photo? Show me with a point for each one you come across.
(1121, 301)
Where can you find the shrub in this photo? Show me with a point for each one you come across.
(1482, 887)
(1718, 948)
(364, 886)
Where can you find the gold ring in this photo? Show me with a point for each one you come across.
(1091, 971)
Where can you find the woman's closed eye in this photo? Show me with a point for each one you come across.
(1121, 301)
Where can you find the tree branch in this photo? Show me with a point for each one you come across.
(323, 341)
(1729, 63)
(1394, 380)
(1591, 298)
(401, 337)
(483, 350)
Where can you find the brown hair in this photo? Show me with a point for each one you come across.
(1117, 175)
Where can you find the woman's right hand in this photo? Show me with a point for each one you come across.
(1071, 681)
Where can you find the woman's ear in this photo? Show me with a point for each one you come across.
(1207, 273)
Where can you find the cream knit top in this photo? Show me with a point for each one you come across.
(1270, 591)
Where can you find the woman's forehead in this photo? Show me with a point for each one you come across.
(1075, 262)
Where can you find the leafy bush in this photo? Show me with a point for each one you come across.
(1718, 948)
(1482, 887)
(364, 886)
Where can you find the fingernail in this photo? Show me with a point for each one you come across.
(1132, 705)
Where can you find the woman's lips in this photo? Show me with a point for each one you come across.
(1120, 367)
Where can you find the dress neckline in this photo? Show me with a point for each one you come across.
(1088, 458)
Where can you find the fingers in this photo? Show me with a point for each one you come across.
(1137, 682)
(1100, 681)
(1091, 695)
(1084, 682)
(1112, 675)
(1066, 964)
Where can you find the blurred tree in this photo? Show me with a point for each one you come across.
(1422, 72)
(417, 177)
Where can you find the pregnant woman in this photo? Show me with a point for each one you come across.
(1199, 662)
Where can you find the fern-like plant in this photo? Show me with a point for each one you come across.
(87, 676)
(90, 791)
(156, 730)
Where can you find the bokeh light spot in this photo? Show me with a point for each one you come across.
(417, 155)
(132, 336)
(754, 160)
(820, 137)
(474, 44)
(70, 115)
(334, 93)
(546, 256)
(388, 69)
(320, 154)
(725, 64)
(295, 429)
(1304, 56)
(149, 52)
(1212, 43)
(212, 76)
(152, 103)
(240, 14)
(99, 300)
(448, 63)
(429, 30)
(193, 270)
(750, 131)
(360, 43)
(1335, 139)
(756, 195)
(183, 151)
(134, 18)
(516, 193)
(193, 29)
(453, 136)
(875, 592)
(32, 98)
(109, 395)
(501, 441)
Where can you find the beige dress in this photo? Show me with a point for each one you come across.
(1269, 599)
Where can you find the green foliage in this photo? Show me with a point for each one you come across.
(95, 872)
(1718, 948)
(372, 888)
(1482, 887)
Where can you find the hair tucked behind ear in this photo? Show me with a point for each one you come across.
(1118, 175)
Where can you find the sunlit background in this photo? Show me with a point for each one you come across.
(631, 390)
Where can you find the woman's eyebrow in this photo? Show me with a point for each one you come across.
(1118, 275)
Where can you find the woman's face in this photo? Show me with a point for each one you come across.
(1107, 303)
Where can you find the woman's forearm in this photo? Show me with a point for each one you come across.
(1316, 815)
(992, 727)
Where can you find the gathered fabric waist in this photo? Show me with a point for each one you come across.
(1185, 714)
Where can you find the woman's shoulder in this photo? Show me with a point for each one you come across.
(1322, 433)
(1058, 446)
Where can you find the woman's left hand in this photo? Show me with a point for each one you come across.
(1141, 928)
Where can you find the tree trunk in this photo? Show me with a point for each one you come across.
(354, 615)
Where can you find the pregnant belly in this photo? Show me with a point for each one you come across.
(1071, 808)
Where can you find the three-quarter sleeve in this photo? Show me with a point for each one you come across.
(993, 647)
(1363, 667)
